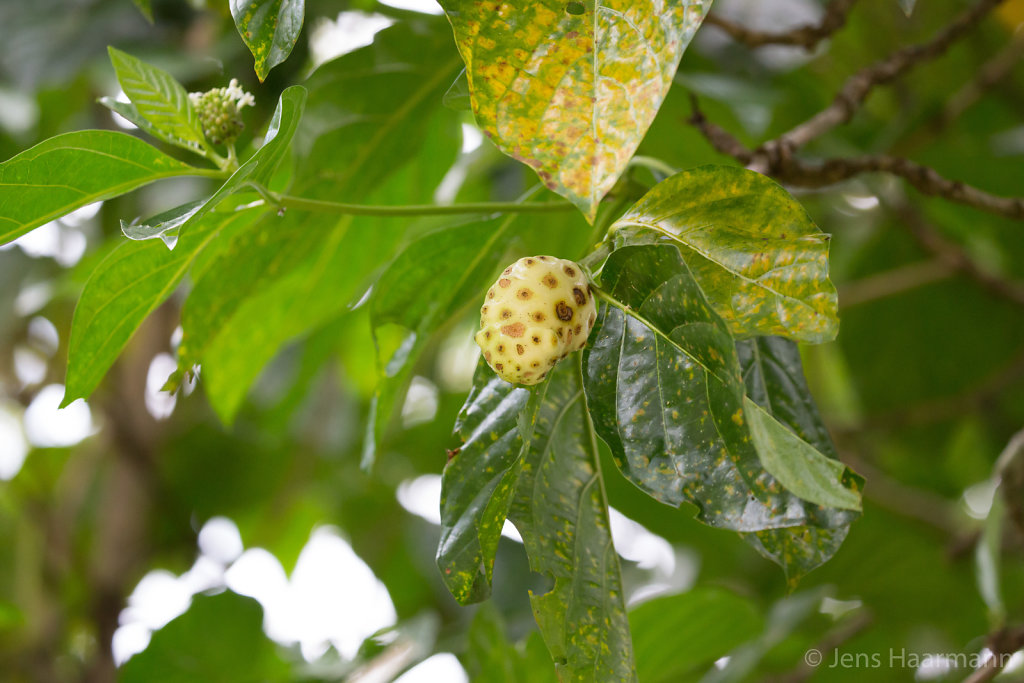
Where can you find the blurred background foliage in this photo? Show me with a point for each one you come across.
(122, 522)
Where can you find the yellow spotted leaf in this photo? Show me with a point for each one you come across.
(570, 88)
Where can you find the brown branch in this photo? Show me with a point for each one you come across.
(807, 36)
(857, 88)
(894, 281)
(922, 178)
(955, 257)
(1003, 644)
(781, 165)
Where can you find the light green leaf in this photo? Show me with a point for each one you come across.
(666, 394)
(159, 99)
(121, 292)
(146, 8)
(219, 639)
(128, 111)
(561, 510)
(570, 89)
(420, 290)
(759, 259)
(269, 29)
(258, 169)
(796, 464)
(478, 484)
(72, 170)
(704, 623)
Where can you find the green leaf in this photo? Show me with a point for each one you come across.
(146, 8)
(129, 111)
(491, 658)
(159, 99)
(269, 29)
(478, 484)
(705, 624)
(571, 93)
(72, 170)
(665, 392)
(561, 510)
(258, 169)
(759, 259)
(219, 639)
(420, 290)
(121, 292)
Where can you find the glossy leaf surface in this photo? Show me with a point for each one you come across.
(759, 259)
(269, 29)
(571, 88)
(561, 510)
(73, 170)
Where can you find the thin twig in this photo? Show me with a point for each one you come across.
(807, 36)
(894, 281)
(857, 88)
(1003, 644)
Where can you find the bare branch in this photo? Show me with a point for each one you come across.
(860, 85)
(924, 179)
(807, 36)
(1002, 643)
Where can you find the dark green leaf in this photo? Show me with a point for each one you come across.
(561, 510)
(269, 29)
(492, 658)
(759, 259)
(478, 484)
(219, 639)
(159, 99)
(72, 170)
(704, 624)
(666, 394)
(121, 292)
(258, 169)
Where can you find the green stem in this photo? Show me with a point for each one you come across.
(654, 164)
(304, 204)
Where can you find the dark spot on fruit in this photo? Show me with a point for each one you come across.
(538, 316)
(514, 330)
(543, 258)
(487, 334)
(508, 270)
(536, 339)
(501, 348)
(504, 282)
(535, 364)
(506, 314)
(490, 294)
(578, 329)
(579, 295)
(519, 368)
(563, 311)
(529, 261)
(524, 293)
(520, 349)
(568, 337)
(560, 332)
(550, 280)
(487, 356)
(593, 319)
(499, 367)
(569, 270)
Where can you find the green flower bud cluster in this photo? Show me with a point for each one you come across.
(219, 112)
(539, 311)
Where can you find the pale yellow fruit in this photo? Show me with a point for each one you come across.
(539, 311)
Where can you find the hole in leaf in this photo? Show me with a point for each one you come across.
(576, 8)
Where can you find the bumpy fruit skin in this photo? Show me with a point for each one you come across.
(539, 311)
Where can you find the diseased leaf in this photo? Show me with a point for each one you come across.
(570, 89)
(121, 292)
(666, 394)
(160, 99)
(269, 29)
(259, 169)
(704, 624)
(478, 483)
(759, 259)
(561, 510)
(72, 170)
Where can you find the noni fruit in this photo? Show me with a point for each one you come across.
(539, 311)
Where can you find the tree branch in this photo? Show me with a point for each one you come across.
(1003, 644)
(857, 88)
(807, 36)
